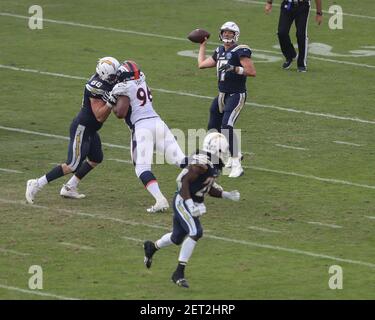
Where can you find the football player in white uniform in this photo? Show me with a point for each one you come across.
(131, 100)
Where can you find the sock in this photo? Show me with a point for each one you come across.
(186, 250)
(153, 188)
(164, 241)
(42, 181)
(181, 268)
(83, 169)
(54, 174)
(73, 182)
(151, 184)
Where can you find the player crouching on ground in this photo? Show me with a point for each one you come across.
(197, 179)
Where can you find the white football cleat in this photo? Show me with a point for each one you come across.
(32, 188)
(71, 192)
(229, 163)
(230, 160)
(237, 169)
(159, 206)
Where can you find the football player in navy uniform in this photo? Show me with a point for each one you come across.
(84, 138)
(234, 65)
(194, 182)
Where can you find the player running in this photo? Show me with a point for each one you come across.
(194, 182)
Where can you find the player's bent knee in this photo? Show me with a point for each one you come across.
(177, 240)
(198, 235)
(66, 168)
(92, 163)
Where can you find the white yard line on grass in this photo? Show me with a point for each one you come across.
(336, 181)
(258, 105)
(14, 252)
(36, 292)
(290, 147)
(370, 217)
(262, 3)
(249, 167)
(263, 229)
(348, 143)
(55, 136)
(334, 226)
(76, 246)
(10, 170)
(155, 35)
(121, 160)
(209, 236)
(133, 239)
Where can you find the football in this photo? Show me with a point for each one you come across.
(198, 35)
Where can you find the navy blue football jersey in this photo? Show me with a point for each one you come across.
(230, 82)
(202, 185)
(95, 88)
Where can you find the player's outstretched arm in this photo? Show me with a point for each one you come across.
(100, 110)
(122, 107)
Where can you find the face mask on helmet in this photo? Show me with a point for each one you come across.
(229, 26)
(129, 70)
(217, 145)
(107, 69)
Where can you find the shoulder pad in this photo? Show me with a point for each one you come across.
(121, 89)
(241, 47)
(94, 90)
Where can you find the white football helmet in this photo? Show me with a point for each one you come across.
(230, 26)
(107, 69)
(216, 144)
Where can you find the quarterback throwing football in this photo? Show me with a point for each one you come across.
(234, 65)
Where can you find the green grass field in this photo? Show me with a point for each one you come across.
(303, 208)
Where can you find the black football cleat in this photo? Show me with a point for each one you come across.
(179, 280)
(302, 69)
(150, 249)
(286, 65)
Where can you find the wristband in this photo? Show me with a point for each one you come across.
(319, 13)
(240, 70)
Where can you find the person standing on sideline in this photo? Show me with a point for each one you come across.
(233, 63)
(297, 11)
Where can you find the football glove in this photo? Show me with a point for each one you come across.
(110, 99)
(227, 68)
(232, 195)
(193, 209)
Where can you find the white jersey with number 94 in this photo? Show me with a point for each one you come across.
(140, 99)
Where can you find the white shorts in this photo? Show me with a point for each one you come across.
(152, 132)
